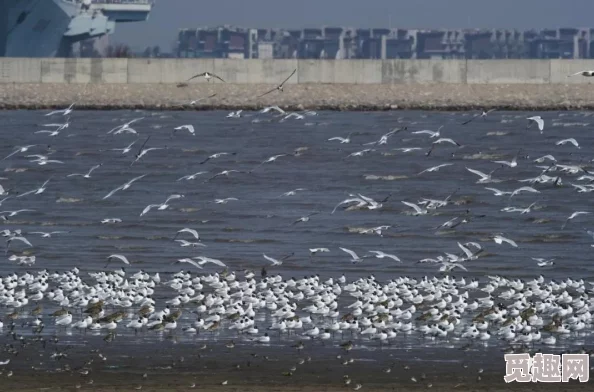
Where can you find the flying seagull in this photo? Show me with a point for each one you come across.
(125, 186)
(194, 102)
(206, 75)
(189, 128)
(63, 112)
(122, 258)
(573, 215)
(85, 175)
(538, 120)
(20, 149)
(280, 86)
(483, 115)
(582, 73)
(275, 261)
(193, 232)
(143, 151)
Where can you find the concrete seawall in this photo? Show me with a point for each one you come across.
(171, 71)
(317, 84)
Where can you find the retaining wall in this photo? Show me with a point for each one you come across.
(272, 71)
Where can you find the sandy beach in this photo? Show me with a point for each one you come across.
(298, 97)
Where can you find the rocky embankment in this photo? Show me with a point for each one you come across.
(298, 97)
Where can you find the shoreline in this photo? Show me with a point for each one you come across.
(331, 97)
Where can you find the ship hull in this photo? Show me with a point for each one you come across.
(48, 28)
(32, 28)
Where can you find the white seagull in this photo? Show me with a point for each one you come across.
(354, 257)
(20, 149)
(582, 73)
(428, 132)
(523, 189)
(570, 140)
(485, 178)
(275, 261)
(122, 258)
(193, 232)
(37, 191)
(342, 140)
(191, 176)
(64, 112)
(418, 210)
(88, 174)
(217, 155)
(125, 150)
(189, 128)
(125, 127)
(380, 255)
(206, 75)
(143, 151)
(204, 260)
(435, 168)
(482, 115)
(125, 186)
(536, 120)
(500, 240)
(573, 215)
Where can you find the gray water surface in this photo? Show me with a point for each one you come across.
(261, 220)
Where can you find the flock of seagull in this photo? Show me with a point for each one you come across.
(259, 306)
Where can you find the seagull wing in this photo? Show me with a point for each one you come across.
(268, 92)
(27, 193)
(427, 132)
(478, 173)
(12, 153)
(144, 144)
(113, 192)
(135, 179)
(511, 242)
(454, 265)
(22, 239)
(285, 81)
(218, 77)
(525, 189)
(191, 231)
(412, 205)
(148, 208)
(119, 257)
(471, 119)
(350, 252)
(213, 261)
(273, 261)
(466, 251)
(196, 76)
(190, 261)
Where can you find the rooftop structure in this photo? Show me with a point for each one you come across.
(331, 42)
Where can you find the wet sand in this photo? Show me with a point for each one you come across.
(171, 366)
(298, 97)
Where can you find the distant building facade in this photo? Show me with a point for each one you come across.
(384, 43)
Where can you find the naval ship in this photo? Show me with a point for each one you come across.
(48, 28)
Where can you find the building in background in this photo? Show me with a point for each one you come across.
(332, 42)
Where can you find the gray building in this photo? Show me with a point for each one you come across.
(333, 42)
